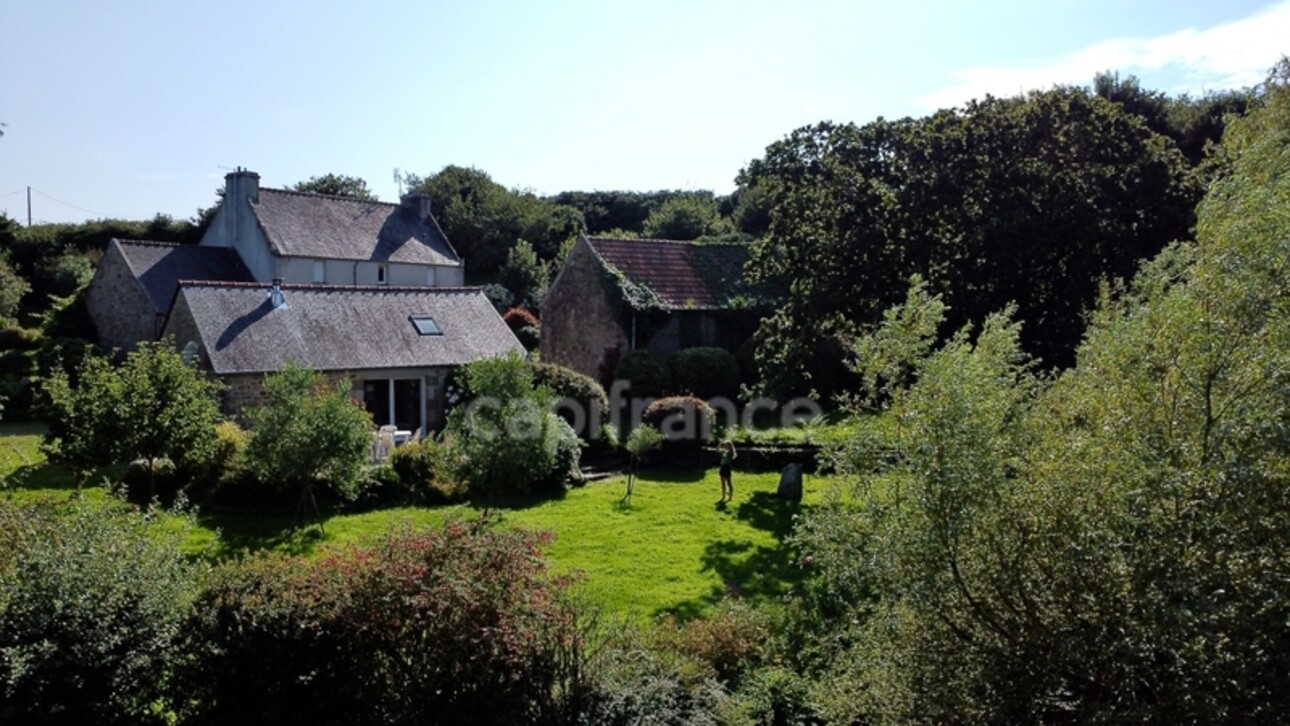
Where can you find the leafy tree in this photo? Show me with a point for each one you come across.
(510, 439)
(687, 217)
(483, 219)
(153, 406)
(1029, 200)
(92, 603)
(525, 275)
(1108, 546)
(336, 185)
(309, 433)
(12, 290)
(640, 442)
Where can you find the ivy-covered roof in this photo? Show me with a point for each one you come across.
(658, 274)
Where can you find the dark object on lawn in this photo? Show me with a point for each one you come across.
(790, 483)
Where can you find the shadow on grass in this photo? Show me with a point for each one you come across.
(56, 477)
(756, 572)
(672, 475)
(242, 533)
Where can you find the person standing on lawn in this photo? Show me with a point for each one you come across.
(727, 459)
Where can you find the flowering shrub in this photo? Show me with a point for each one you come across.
(518, 317)
(460, 625)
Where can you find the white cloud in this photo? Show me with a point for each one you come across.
(1230, 55)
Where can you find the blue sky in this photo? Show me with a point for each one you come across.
(137, 107)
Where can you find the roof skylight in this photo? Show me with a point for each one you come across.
(425, 325)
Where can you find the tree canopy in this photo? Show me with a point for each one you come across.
(337, 185)
(484, 219)
(1031, 200)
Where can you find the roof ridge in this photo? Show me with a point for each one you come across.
(657, 240)
(314, 287)
(151, 242)
(336, 197)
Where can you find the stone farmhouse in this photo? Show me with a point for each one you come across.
(616, 295)
(366, 291)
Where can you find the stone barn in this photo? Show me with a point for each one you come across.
(612, 296)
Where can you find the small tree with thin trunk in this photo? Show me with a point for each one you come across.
(642, 440)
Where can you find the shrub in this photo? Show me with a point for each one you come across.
(309, 433)
(518, 317)
(705, 372)
(14, 337)
(777, 695)
(92, 600)
(648, 374)
(575, 389)
(425, 472)
(731, 639)
(633, 683)
(530, 336)
(510, 440)
(525, 326)
(499, 296)
(683, 420)
(460, 625)
(153, 406)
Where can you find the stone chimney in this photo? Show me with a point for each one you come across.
(241, 184)
(418, 203)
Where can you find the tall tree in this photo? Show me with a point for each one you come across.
(687, 217)
(337, 185)
(1031, 200)
(484, 219)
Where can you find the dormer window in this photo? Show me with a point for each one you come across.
(382, 275)
(425, 325)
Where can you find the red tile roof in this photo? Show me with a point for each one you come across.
(682, 274)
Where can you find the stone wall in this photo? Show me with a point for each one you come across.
(121, 312)
(580, 328)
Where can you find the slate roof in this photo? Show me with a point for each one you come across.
(159, 266)
(325, 227)
(684, 275)
(341, 327)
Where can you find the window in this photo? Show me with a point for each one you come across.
(430, 276)
(425, 325)
(320, 271)
(381, 277)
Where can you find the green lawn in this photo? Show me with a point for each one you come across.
(671, 549)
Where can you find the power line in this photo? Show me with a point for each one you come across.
(66, 204)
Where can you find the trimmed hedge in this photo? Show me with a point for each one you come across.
(706, 372)
(649, 375)
(685, 421)
(580, 389)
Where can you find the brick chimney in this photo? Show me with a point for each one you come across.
(418, 203)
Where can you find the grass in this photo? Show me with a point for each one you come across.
(670, 549)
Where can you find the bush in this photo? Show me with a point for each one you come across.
(460, 625)
(634, 683)
(685, 421)
(648, 374)
(309, 433)
(525, 326)
(499, 296)
(727, 642)
(152, 406)
(92, 603)
(425, 472)
(17, 338)
(510, 440)
(776, 695)
(575, 389)
(530, 336)
(518, 317)
(705, 372)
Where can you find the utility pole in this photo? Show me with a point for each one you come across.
(28, 206)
